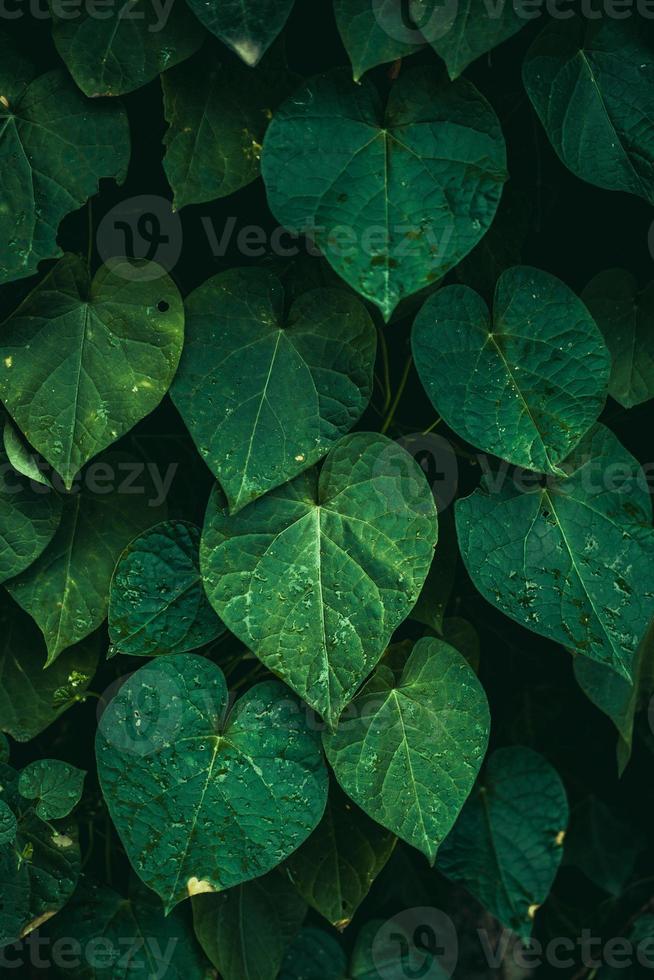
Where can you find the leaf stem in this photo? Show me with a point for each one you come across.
(387, 374)
(398, 395)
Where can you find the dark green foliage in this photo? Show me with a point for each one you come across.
(326, 544)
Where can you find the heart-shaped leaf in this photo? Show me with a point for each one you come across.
(29, 517)
(39, 870)
(203, 798)
(157, 603)
(507, 844)
(625, 315)
(393, 196)
(410, 748)
(539, 553)
(315, 576)
(31, 698)
(592, 84)
(217, 113)
(233, 389)
(335, 867)
(82, 362)
(525, 386)
(248, 27)
(55, 146)
(66, 590)
(273, 911)
(127, 47)
(374, 33)
(56, 785)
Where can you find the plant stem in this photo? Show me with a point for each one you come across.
(398, 395)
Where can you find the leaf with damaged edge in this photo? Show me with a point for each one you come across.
(335, 867)
(55, 146)
(315, 576)
(82, 362)
(273, 913)
(157, 603)
(507, 844)
(592, 84)
(265, 395)
(409, 752)
(524, 386)
(425, 172)
(625, 315)
(221, 796)
(571, 560)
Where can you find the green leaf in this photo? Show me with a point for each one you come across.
(463, 32)
(315, 955)
(31, 698)
(127, 47)
(335, 868)
(8, 824)
(204, 800)
(592, 84)
(248, 27)
(617, 697)
(506, 846)
(525, 385)
(157, 603)
(265, 395)
(55, 146)
(56, 785)
(411, 745)
(39, 871)
(625, 315)
(540, 556)
(602, 845)
(4, 748)
(217, 113)
(126, 937)
(82, 362)
(66, 590)
(393, 196)
(21, 458)
(29, 517)
(373, 33)
(245, 931)
(315, 576)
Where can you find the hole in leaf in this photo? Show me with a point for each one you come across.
(163, 306)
